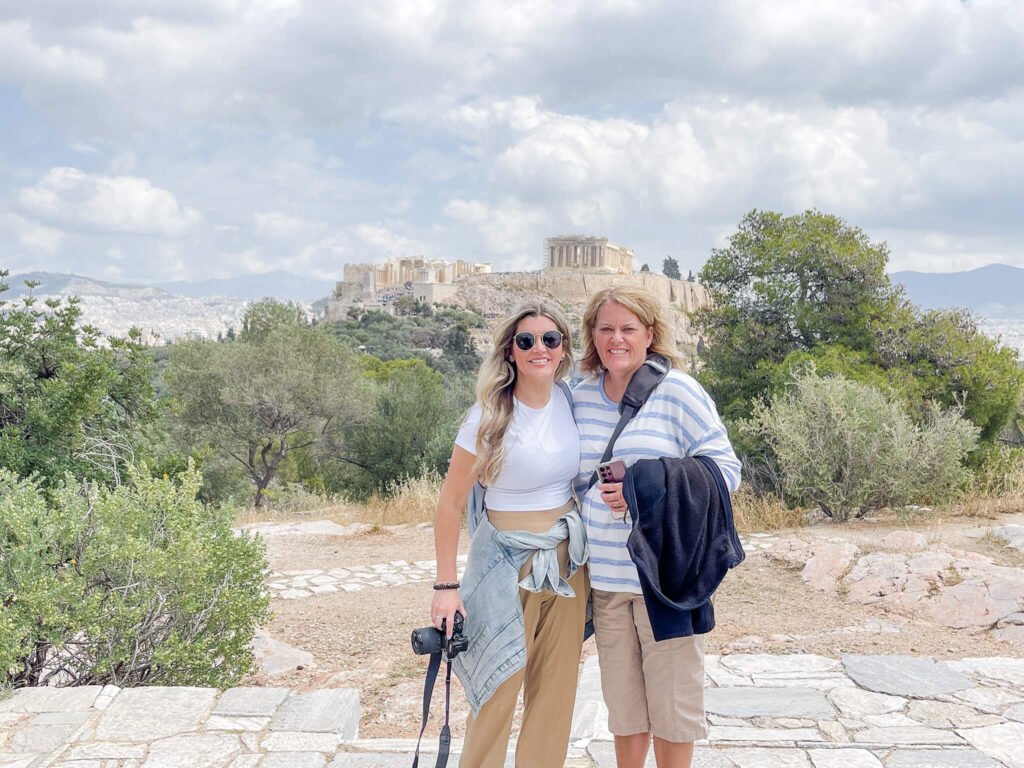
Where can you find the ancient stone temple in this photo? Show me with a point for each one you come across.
(587, 252)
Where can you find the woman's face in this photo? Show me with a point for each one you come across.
(539, 361)
(621, 340)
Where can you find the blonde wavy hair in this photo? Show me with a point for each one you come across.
(645, 306)
(496, 382)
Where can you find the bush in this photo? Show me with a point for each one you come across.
(848, 448)
(141, 584)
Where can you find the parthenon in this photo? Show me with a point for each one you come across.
(587, 252)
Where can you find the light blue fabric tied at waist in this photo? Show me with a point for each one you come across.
(546, 575)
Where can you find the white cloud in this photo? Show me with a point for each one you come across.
(383, 242)
(74, 199)
(509, 230)
(30, 235)
(313, 133)
(282, 225)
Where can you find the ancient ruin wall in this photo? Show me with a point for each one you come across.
(497, 294)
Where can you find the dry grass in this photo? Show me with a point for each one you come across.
(986, 507)
(754, 513)
(410, 500)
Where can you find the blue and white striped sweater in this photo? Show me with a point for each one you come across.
(679, 419)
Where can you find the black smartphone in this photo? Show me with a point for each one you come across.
(612, 471)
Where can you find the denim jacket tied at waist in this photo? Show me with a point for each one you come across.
(490, 591)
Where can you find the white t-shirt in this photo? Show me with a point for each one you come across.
(542, 456)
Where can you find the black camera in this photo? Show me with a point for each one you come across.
(427, 640)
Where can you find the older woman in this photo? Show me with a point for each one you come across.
(651, 688)
(524, 594)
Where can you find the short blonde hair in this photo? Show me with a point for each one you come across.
(645, 306)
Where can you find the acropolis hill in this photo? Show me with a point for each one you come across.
(575, 267)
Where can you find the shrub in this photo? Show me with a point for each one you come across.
(848, 448)
(141, 584)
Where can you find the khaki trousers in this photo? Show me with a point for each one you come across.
(554, 637)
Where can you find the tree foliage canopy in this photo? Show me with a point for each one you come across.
(259, 400)
(811, 287)
(71, 401)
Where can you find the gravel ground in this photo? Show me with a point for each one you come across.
(361, 639)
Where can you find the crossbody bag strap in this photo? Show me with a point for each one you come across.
(643, 382)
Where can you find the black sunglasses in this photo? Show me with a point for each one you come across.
(550, 339)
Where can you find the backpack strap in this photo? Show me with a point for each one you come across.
(475, 503)
(643, 382)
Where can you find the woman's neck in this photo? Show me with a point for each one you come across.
(534, 394)
(615, 385)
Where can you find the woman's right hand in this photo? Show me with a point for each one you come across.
(443, 608)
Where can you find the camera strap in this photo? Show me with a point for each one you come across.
(444, 742)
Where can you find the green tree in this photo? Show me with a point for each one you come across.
(259, 400)
(783, 285)
(71, 401)
(267, 314)
(670, 268)
(645, 268)
(409, 408)
(788, 290)
(136, 585)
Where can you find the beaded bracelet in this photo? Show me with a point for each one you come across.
(447, 585)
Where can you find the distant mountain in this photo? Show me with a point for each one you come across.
(996, 290)
(279, 285)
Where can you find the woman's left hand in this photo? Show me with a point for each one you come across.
(611, 494)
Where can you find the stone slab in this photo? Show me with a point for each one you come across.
(193, 751)
(255, 702)
(764, 664)
(1001, 670)
(914, 735)
(939, 758)
(19, 761)
(105, 750)
(294, 760)
(912, 676)
(843, 758)
(240, 723)
(332, 710)
(382, 760)
(774, 702)
(1004, 742)
(51, 699)
(757, 757)
(300, 741)
(722, 733)
(146, 714)
(602, 753)
(858, 703)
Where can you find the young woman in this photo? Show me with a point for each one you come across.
(651, 688)
(524, 593)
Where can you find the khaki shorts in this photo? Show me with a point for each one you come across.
(654, 687)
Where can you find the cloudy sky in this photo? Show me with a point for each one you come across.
(188, 139)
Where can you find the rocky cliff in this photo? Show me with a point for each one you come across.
(497, 294)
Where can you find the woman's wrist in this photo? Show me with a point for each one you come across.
(443, 585)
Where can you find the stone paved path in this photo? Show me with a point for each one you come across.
(795, 711)
(298, 584)
(765, 711)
